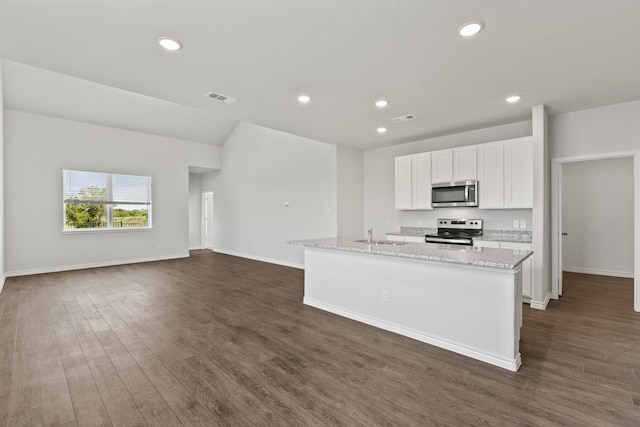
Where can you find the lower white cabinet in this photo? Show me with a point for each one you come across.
(409, 239)
(527, 275)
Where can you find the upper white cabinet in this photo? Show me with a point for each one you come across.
(457, 164)
(504, 170)
(441, 166)
(404, 183)
(413, 182)
(505, 174)
(464, 163)
(491, 175)
(518, 173)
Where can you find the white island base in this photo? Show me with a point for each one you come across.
(470, 310)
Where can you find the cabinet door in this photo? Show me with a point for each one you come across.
(518, 173)
(464, 163)
(403, 182)
(421, 166)
(441, 166)
(491, 175)
(485, 244)
(527, 271)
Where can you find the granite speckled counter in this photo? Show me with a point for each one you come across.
(456, 254)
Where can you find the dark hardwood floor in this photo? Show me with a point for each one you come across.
(218, 340)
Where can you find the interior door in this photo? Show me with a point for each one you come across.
(208, 220)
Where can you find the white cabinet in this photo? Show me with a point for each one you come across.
(404, 183)
(409, 239)
(413, 182)
(486, 244)
(441, 166)
(505, 174)
(527, 271)
(457, 164)
(518, 173)
(464, 163)
(491, 175)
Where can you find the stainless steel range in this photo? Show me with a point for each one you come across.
(456, 231)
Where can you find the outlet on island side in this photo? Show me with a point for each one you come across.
(385, 295)
(516, 223)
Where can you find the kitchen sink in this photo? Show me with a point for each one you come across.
(380, 242)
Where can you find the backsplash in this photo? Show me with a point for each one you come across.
(522, 236)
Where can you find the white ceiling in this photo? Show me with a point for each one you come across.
(569, 55)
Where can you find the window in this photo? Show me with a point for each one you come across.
(104, 201)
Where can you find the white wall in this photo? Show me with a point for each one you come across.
(262, 170)
(599, 130)
(38, 148)
(350, 188)
(597, 209)
(379, 185)
(195, 212)
(2, 264)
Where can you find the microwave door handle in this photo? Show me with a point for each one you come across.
(466, 193)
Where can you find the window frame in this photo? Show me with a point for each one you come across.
(110, 205)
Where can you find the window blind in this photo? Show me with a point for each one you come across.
(105, 188)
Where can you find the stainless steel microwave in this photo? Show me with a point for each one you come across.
(454, 194)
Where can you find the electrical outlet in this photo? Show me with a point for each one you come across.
(385, 295)
(516, 223)
(523, 223)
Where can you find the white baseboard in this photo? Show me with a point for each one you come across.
(195, 248)
(2, 279)
(92, 265)
(258, 258)
(628, 275)
(541, 305)
(511, 365)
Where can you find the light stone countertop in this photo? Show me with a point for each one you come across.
(456, 254)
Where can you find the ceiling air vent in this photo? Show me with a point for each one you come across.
(222, 98)
(404, 118)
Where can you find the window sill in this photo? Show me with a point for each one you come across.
(106, 230)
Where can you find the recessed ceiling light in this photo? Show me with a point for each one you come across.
(513, 99)
(304, 98)
(470, 28)
(381, 103)
(381, 130)
(169, 43)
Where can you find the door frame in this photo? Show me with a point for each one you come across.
(556, 218)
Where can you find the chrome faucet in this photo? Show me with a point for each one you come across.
(370, 232)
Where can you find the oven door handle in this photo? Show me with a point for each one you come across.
(448, 241)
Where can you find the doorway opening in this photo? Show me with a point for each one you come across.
(568, 166)
(207, 219)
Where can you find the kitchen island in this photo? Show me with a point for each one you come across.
(460, 298)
